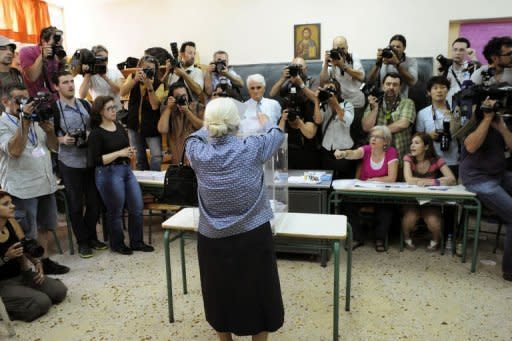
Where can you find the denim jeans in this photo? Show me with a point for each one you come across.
(155, 148)
(118, 188)
(497, 195)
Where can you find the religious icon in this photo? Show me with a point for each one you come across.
(307, 41)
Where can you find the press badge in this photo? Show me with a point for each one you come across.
(38, 152)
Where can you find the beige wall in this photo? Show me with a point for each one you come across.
(262, 31)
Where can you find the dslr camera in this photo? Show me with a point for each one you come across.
(294, 69)
(292, 103)
(175, 56)
(372, 90)
(42, 107)
(86, 57)
(388, 52)
(444, 136)
(80, 136)
(150, 73)
(220, 65)
(444, 63)
(181, 100)
(325, 94)
(338, 53)
(129, 63)
(57, 49)
(31, 247)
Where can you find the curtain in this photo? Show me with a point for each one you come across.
(22, 20)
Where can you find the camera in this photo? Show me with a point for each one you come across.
(325, 94)
(42, 107)
(31, 247)
(444, 136)
(372, 90)
(220, 65)
(175, 59)
(86, 57)
(388, 52)
(129, 63)
(444, 63)
(57, 49)
(181, 100)
(476, 94)
(292, 104)
(338, 53)
(80, 136)
(150, 73)
(294, 69)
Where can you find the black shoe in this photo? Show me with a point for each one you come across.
(124, 250)
(97, 245)
(143, 247)
(53, 268)
(507, 276)
(84, 251)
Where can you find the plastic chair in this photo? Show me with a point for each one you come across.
(5, 318)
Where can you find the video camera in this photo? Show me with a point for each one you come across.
(372, 90)
(42, 107)
(129, 63)
(175, 55)
(86, 57)
(476, 94)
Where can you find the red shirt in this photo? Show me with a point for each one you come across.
(28, 56)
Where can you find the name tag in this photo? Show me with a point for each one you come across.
(38, 152)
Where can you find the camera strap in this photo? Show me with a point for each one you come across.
(455, 76)
(77, 110)
(32, 136)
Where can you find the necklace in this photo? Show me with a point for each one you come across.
(4, 235)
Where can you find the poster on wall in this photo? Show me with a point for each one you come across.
(307, 41)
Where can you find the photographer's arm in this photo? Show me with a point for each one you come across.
(477, 137)
(85, 86)
(191, 83)
(197, 122)
(356, 74)
(163, 122)
(406, 74)
(154, 101)
(113, 85)
(374, 71)
(318, 118)
(34, 71)
(277, 85)
(399, 125)
(324, 73)
(504, 131)
(128, 85)
(307, 129)
(208, 85)
(51, 139)
(370, 116)
(18, 141)
(235, 79)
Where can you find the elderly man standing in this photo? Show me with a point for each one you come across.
(258, 104)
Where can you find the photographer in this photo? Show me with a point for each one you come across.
(294, 87)
(335, 116)
(393, 59)
(347, 69)
(40, 62)
(498, 53)
(146, 93)
(26, 292)
(440, 122)
(26, 168)
(392, 110)
(219, 69)
(460, 69)
(180, 118)
(71, 122)
(106, 83)
(482, 170)
(187, 72)
(8, 74)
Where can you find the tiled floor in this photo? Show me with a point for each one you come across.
(410, 295)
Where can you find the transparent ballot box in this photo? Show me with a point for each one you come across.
(276, 182)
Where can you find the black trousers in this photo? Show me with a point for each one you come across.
(80, 190)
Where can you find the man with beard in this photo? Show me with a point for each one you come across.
(498, 52)
(396, 112)
(187, 72)
(8, 75)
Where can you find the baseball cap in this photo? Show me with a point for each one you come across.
(6, 42)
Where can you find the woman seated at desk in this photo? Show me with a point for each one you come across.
(423, 167)
(379, 163)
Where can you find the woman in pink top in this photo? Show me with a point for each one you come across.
(423, 167)
(379, 163)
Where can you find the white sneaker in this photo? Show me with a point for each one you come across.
(458, 249)
(432, 246)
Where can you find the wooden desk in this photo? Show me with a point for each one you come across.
(399, 193)
(299, 226)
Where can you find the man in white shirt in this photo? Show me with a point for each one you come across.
(188, 73)
(258, 104)
(219, 69)
(101, 84)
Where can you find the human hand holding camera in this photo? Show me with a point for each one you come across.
(29, 108)
(66, 139)
(285, 73)
(373, 102)
(179, 71)
(211, 67)
(46, 49)
(379, 56)
(171, 102)
(139, 76)
(39, 272)
(14, 251)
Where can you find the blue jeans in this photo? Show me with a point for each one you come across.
(155, 148)
(497, 195)
(36, 212)
(118, 188)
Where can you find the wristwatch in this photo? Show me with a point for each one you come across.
(5, 259)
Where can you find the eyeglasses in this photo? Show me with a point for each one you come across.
(8, 47)
(255, 87)
(377, 137)
(111, 108)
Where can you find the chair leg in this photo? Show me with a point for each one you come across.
(6, 319)
(150, 223)
(68, 221)
(401, 240)
(57, 242)
(498, 233)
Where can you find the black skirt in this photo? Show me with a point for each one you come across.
(240, 282)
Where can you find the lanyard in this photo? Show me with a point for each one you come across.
(32, 136)
(74, 110)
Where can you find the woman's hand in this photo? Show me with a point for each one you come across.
(340, 154)
(127, 152)
(14, 251)
(39, 273)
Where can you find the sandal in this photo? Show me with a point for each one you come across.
(379, 246)
(409, 245)
(432, 246)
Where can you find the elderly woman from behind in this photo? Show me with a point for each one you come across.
(238, 269)
(423, 167)
(379, 163)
